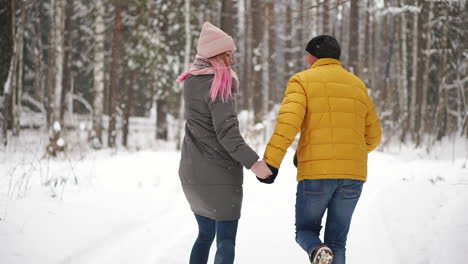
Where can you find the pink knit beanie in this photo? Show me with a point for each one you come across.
(213, 41)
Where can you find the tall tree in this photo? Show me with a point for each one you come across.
(18, 92)
(51, 66)
(38, 55)
(55, 75)
(326, 18)
(420, 60)
(10, 45)
(439, 124)
(403, 69)
(59, 58)
(367, 43)
(114, 89)
(131, 85)
(426, 70)
(67, 79)
(354, 37)
(98, 85)
(258, 16)
(228, 17)
(248, 53)
(187, 53)
(6, 39)
(414, 73)
(266, 54)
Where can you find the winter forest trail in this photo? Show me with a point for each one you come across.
(132, 210)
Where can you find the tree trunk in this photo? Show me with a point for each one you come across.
(332, 22)
(273, 69)
(326, 18)
(59, 58)
(427, 63)
(339, 26)
(258, 45)
(404, 102)
(6, 114)
(367, 46)
(6, 40)
(289, 36)
(161, 117)
(440, 120)
(98, 84)
(55, 75)
(38, 57)
(279, 68)
(268, 13)
(344, 32)
(116, 43)
(249, 65)
(354, 37)
(9, 98)
(388, 53)
(299, 31)
(188, 47)
(242, 57)
(420, 72)
(414, 75)
(128, 99)
(228, 17)
(18, 93)
(51, 67)
(373, 49)
(67, 57)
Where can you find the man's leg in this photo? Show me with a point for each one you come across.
(340, 212)
(226, 232)
(206, 234)
(312, 199)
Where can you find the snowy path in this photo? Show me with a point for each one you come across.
(129, 208)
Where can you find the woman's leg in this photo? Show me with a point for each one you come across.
(206, 234)
(226, 232)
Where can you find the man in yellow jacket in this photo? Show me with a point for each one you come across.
(339, 127)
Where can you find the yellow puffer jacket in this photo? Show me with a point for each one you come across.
(337, 120)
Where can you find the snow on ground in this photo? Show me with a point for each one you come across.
(128, 207)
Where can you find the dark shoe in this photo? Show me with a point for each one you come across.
(322, 255)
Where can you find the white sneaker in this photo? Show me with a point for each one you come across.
(323, 255)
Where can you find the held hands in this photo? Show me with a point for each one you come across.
(265, 172)
(260, 168)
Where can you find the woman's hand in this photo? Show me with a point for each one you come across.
(260, 168)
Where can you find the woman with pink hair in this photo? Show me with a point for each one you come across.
(213, 151)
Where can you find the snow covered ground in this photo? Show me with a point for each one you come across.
(128, 207)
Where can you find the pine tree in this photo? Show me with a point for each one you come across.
(98, 74)
(115, 73)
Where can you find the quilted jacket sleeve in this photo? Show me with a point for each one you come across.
(226, 126)
(373, 128)
(289, 122)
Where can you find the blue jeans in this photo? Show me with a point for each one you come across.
(225, 232)
(313, 197)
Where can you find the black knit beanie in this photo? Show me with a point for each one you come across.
(324, 46)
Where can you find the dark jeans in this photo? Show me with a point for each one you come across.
(313, 197)
(225, 232)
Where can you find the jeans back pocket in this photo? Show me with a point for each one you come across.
(351, 189)
(314, 189)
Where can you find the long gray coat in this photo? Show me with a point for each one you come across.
(213, 153)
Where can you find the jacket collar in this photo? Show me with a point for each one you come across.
(325, 61)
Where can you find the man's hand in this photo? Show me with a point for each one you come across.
(260, 168)
(295, 159)
(270, 179)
